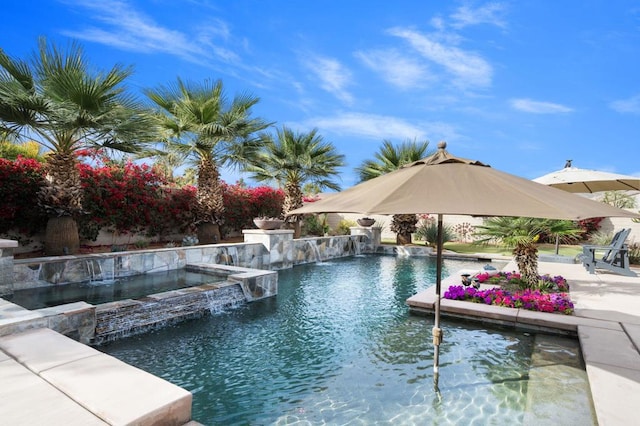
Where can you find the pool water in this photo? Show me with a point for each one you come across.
(98, 292)
(338, 346)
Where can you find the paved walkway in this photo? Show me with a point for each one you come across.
(606, 320)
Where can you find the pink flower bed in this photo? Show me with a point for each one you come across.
(550, 296)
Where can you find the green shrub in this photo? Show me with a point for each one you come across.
(428, 232)
(316, 225)
(600, 238)
(634, 253)
(343, 227)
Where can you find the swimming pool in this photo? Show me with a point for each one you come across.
(338, 346)
(99, 292)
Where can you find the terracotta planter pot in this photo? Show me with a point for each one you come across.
(61, 236)
(208, 233)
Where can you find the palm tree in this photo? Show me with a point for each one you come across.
(199, 121)
(522, 233)
(390, 158)
(293, 160)
(58, 100)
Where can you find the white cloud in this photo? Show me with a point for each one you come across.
(469, 69)
(126, 28)
(490, 13)
(399, 70)
(537, 107)
(333, 76)
(381, 127)
(631, 105)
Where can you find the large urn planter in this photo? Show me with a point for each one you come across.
(268, 224)
(61, 236)
(366, 221)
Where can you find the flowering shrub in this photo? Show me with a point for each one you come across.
(243, 204)
(545, 283)
(589, 226)
(124, 197)
(20, 182)
(533, 300)
(132, 198)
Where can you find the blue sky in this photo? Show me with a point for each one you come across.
(521, 85)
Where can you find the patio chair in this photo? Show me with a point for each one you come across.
(615, 256)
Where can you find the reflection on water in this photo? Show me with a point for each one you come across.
(337, 346)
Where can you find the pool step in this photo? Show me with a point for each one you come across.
(556, 363)
(48, 378)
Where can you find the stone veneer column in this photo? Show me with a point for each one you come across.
(278, 242)
(374, 236)
(6, 266)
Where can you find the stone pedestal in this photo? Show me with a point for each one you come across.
(373, 240)
(6, 266)
(278, 242)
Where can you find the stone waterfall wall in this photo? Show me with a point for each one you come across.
(28, 273)
(128, 317)
(319, 249)
(6, 266)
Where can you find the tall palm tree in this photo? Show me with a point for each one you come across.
(391, 157)
(292, 160)
(198, 120)
(522, 233)
(58, 100)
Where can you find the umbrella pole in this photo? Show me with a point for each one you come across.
(437, 331)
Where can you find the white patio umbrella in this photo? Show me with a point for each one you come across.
(576, 180)
(443, 184)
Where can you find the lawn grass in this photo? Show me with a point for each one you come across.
(468, 248)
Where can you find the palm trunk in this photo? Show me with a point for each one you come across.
(292, 201)
(526, 257)
(404, 225)
(61, 198)
(210, 203)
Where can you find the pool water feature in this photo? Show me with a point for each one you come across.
(98, 292)
(338, 346)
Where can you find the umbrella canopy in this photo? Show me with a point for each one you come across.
(443, 184)
(573, 179)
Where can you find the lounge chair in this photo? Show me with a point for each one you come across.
(615, 256)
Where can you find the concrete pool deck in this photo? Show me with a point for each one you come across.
(50, 379)
(606, 321)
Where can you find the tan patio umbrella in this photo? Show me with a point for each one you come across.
(443, 184)
(573, 179)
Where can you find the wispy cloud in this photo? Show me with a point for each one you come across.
(401, 71)
(380, 127)
(631, 105)
(333, 76)
(120, 25)
(469, 69)
(538, 107)
(490, 13)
